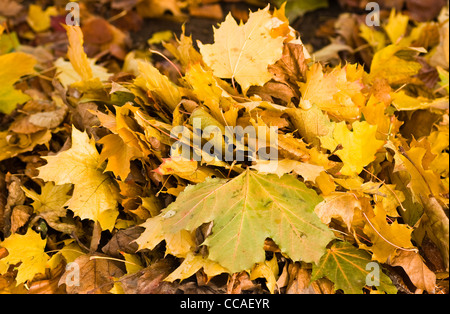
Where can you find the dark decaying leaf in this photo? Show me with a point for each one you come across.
(123, 241)
(96, 274)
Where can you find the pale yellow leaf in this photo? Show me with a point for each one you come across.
(243, 52)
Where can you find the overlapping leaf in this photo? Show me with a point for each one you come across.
(245, 211)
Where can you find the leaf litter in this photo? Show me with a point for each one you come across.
(89, 177)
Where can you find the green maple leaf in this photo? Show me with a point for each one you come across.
(346, 267)
(245, 211)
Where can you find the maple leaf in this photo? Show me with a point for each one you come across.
(358, 147)
(27, 249)
(396, 27)
(375, 38)
(8, 149)
(245, 211)
(338, 204)
(292, 66)
(119, 155)
(268, 270)
(38, 19)
(94, 195)
(97, 274)
(50, 204)
(337, 92)
(262, 216)
(68, 76)
(183, 50)
(395, 63)
(308, 171)
(346, 265)
(375, 113)
(12, 67)
(421, 276)
(186, 169)
(81, 69)
(179, 243)
(423, 181)
(386, 238)
(207, 88)
(193, 263)
(76, 54)
(150, 78)
(311, 123)
(243, 52)
(402, 101)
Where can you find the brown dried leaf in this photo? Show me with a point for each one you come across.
(10, 7)
(49, 285)
(209, 11)
(97, 31)
(20, 216)
(299, 280)
(123, 241)
(421, 276)
(292, 66)
(97, 274)
(150, 280)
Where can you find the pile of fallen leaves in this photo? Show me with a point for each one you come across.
(90, 187)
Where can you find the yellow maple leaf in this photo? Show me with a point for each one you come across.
(76, 53)
(193, 263)
(386, 238)
(8, 149)
(94, 195)
(337, 92)
(81, 69)
(375, 113)
(404, 102)
(268, 270)
(309, 172)
(397, 26)
(375, 38)
(338, 204)
(207, 89)
(243, 52)
(52, 198)
(356, 149)
(423, 182)
(49, 204)
(177, 244)
(150, 78)
(27, 249)
(183, 50)
(68, 76)
(38, 19)
(12, 67)
(396, 64)
(119, 155)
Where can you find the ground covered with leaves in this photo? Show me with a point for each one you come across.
(95, 199)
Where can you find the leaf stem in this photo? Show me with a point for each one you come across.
(381, 236)
(387, 186)
(168, 60)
